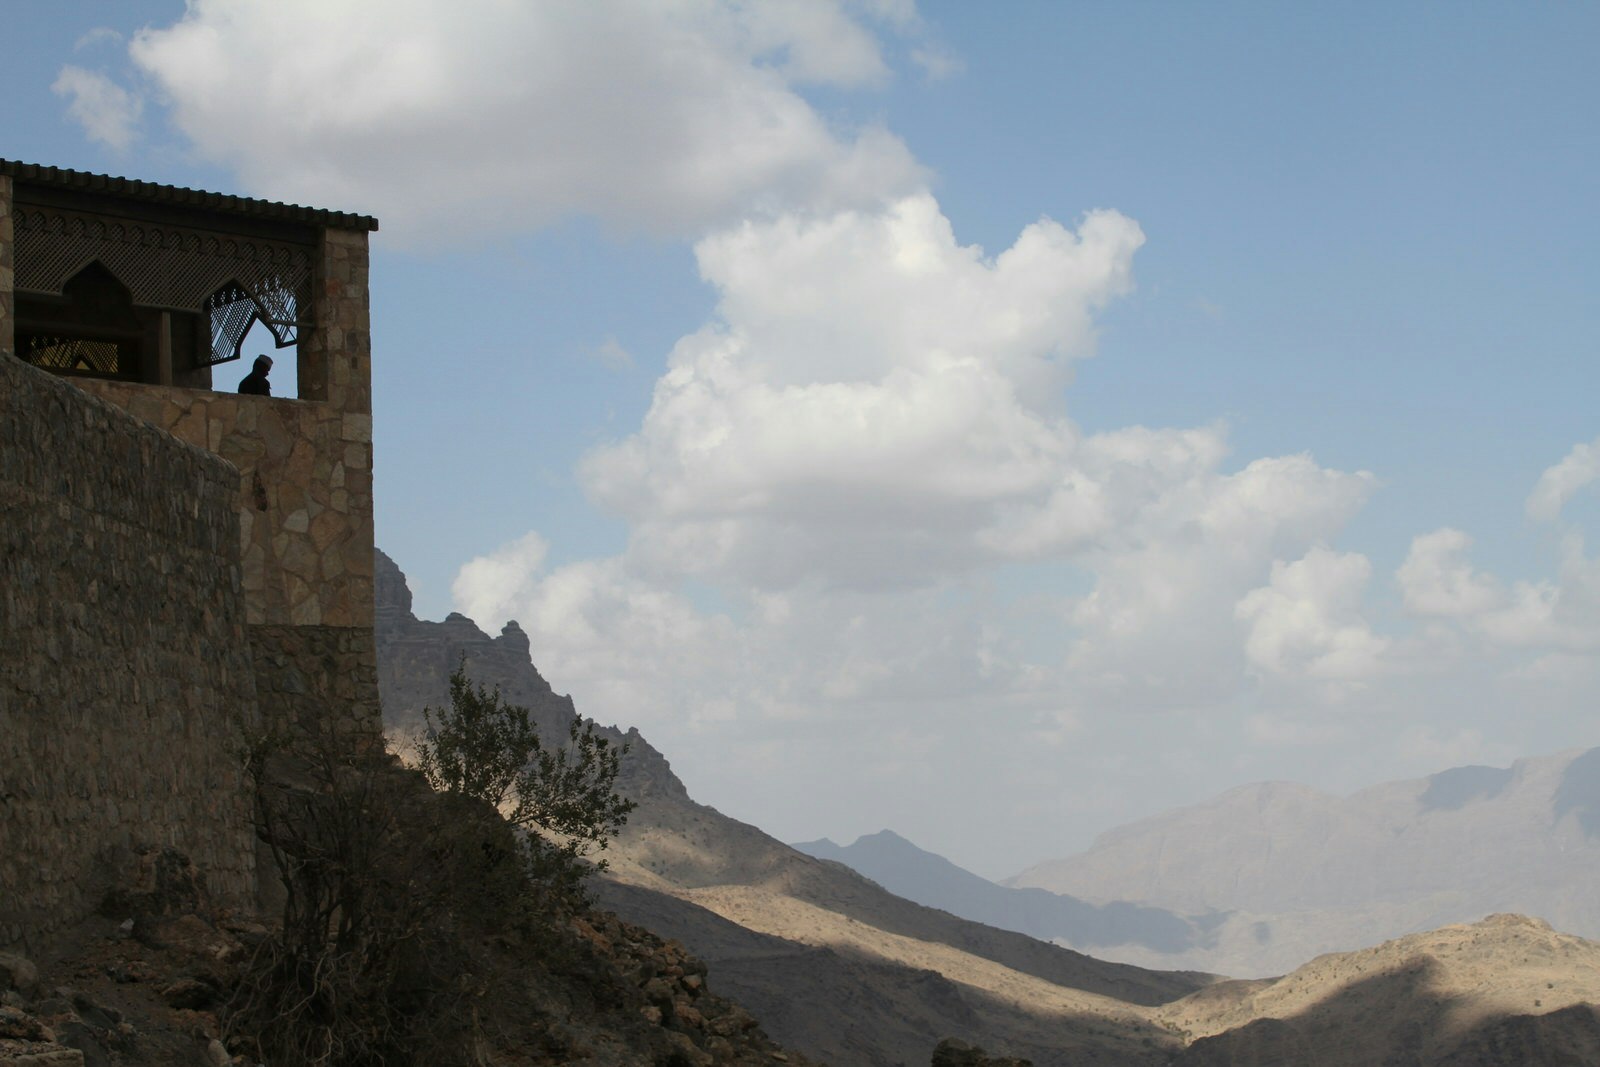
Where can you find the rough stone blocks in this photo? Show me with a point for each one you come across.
(126, 681)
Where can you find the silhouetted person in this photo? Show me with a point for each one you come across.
(255, 383)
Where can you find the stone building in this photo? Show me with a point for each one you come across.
(167, 547)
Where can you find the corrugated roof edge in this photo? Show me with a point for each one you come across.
(174, 194)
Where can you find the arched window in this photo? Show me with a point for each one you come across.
(92, 328)
(234, 309)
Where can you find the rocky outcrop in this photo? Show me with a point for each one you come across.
(416, 657)
(1569, 1035)
(152, 991)
(25, 1042)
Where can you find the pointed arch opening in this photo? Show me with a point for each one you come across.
(234, 310)
(91, 329)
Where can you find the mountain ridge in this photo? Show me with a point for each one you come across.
(927, 878)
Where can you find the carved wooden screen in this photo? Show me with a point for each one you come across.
(75, 355)
(235, 280)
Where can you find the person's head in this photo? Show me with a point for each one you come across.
(263, 364)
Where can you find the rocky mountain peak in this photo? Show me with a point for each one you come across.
(416, 657)
(391, 595)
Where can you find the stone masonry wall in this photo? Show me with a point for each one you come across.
(319, 681)
(336, 357)
(125, 667)
(305, 479)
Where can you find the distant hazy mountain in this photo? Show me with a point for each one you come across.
(1301, 872)
(908, 871)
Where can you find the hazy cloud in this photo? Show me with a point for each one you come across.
(107, 112)
(611, 355)
(937, 62)
(1557, 484)
(100, 35)
(1560, 615)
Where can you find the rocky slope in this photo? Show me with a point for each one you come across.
(1302, 872)
(154, 989)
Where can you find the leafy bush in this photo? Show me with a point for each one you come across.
(563, 799)
(386, 883)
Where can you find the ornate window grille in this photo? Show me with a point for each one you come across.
(233, 310)
(75, 355)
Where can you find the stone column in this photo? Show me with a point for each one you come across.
(8, 304)
(322, 660)
(336, 355)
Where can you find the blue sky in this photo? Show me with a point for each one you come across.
(1271, 456)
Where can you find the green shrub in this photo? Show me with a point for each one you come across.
(563, 799)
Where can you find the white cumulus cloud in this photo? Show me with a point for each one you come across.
(872, 422)
(1559, 615)
(1307, 621)
(494, 585)
(1436, 578)
(875, 403)
(1158, 630)
(472, 118)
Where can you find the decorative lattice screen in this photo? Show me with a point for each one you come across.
(233, 309)
(237, 280)
(75, 355)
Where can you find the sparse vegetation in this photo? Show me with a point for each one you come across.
(362, 969)
(563, 799)
(384, 879)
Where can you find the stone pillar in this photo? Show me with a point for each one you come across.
(336, 355)
(8, 304)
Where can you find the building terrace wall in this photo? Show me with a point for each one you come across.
(305, 482)
(305, 543)
(126, 675)
(336, 355)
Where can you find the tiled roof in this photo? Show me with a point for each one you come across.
(60, 177)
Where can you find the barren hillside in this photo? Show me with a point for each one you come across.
(1507, 990)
